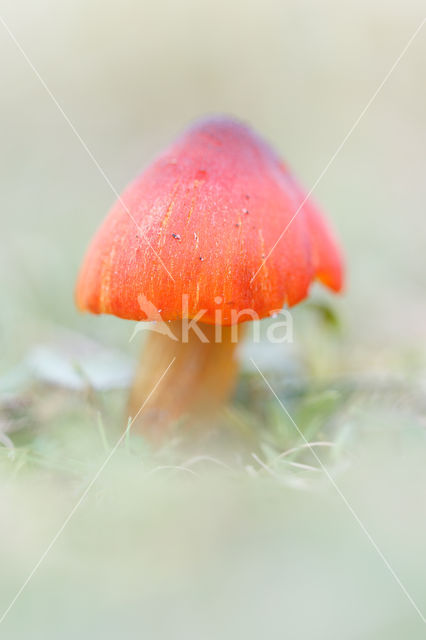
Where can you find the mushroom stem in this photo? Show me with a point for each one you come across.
(200, 379)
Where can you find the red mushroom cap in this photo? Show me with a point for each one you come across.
(208, 212)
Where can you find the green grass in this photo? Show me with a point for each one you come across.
(222, 528)
(216, 533)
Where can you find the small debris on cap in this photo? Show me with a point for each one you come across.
(176, 236)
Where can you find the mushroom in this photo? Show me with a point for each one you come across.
(216, 231)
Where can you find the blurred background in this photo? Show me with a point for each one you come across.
(229, 547)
